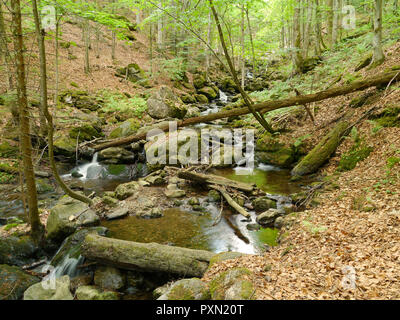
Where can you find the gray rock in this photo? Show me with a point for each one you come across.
(194, 201)
(233, 285)
(186, 289)
(116, 155)
(175, 193)
(126, 190)
(116, 214)
(268, 217)
(14, 281)
(109, 278)
(110, 201)
(253, 226)
(45, 290)
(263, 203)
(152, 214)
(67, 216)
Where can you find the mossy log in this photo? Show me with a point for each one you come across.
(322, 152)
(149, 257)
(266, 106)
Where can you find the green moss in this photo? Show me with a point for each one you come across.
(357, 153)
(268, 236)
(179, 292)
(129, 127)
(7, 150)
(247, 290)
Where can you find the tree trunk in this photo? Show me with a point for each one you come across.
(25, 141)
(266, 106)
(86, 31)
(242, 58)
(335, 25)
(329, 4)
(147, 257)
(251, 40)
(322, 152)
(378, 56)
(297, 56)
(4, 49)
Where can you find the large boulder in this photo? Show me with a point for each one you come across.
(126, 128)
(268, 217)
(17, 250)
(126, 190)
(199, 81)
(133, 73)
(85, 132)
(64, 145)
(262, 204)
(234, 284)
(59, 290)
(14, 281)
(109, 278)
(115, 155)
(186, 289)
(67, 216)
(209, 92)
(80, 100)
(228, 85)
(94, 293)
(164, 104)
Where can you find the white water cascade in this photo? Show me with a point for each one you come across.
(91, 170)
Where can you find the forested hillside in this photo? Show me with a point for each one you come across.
(194, 150)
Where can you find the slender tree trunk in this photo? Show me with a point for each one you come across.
(209, 44)
(25, 140)
(251, 40)
(329, 4)
(86, 31)
(297, 56)
(242, 60)
(335, 26)
(378, 56)
(160, 30)
(56, 62)
(4, 49)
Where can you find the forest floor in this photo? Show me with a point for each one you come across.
(348, 246)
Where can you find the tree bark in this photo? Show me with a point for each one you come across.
(266, 106)
(378, 56)
(148, 257)
(25, 140)
(4, 49)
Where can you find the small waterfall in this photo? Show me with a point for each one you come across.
(91, 170)
(68, 266)
(223, 97)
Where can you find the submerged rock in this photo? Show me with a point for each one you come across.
(67, 216)
(14, 281)
(214, 196)
(94, 293)
(46, 291)
(186, 289)
(109, 278)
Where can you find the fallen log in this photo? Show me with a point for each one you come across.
(215, 180)
(148, 257)
(322, 152)
(232, 202)
(266, 106)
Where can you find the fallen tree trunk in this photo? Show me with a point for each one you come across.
(149, 257)
(322, 152)
(267, 106)
(232, 202)
(214, 179)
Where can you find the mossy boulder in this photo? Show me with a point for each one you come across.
(17, 250)
(94, 293)
(126, 190)
(132, 72)
(187, 289)
(208, 92)
(283, 158)
(234, 284)
(188, 98)
(263, 203)
(14, 281)
(80, 100)
(115, 155)
(64, 146)
(85, 132)
(214, 196)
(127, 128)
(199, 81)
(8, 149)
(67, 216)
(201, 98)
(164, 103)
(228, 85)
(44, 291)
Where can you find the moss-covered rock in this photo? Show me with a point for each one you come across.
(187, 289)
(164, 103)
(263, 204)
(199, 81)
(8, 149)
(201, 98)
(214, 196)
(115, 155)
(222, 256)
(188, 98)
(234, 284)
(39, 291)
(283, 158)
(64, 146)
(17, 250)
(80, 100)
(67, 216)
(349, 160)
(132, 72)
(228, 85)
(127, 128)
(208, 92)
(126, 190)
(14, 281)
(109, 278)
(94, 293)
(85, 132)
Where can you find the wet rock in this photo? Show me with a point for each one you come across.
(64, 146)
(228, 85)
(214, 196)
(158, 292)
(263, 203)
(109, 278)
(253, 226)
(85, 132)
(67, 216)
(126, 190)
(194, 201)
(17, 250)
(164, 103)
(199, 81)
(109, 201)
(233, 285)
(127, 128)
(117, 214)
(94, 293)
(188, 98)
(45, 291)
(192, 112)
(14, 281)
(201, 98)
(116, 155)
(267, 218)
(186, 289)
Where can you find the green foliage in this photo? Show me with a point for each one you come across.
(358, 152)
(118, 103)
(174, 68)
